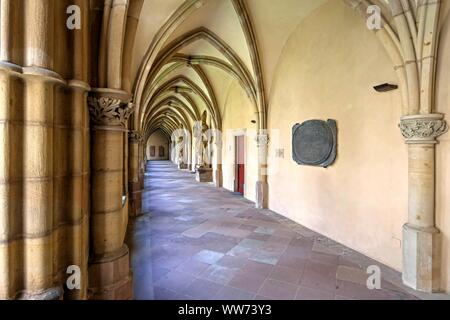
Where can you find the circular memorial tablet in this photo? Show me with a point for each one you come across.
(313, 142)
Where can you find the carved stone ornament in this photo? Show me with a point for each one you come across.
(135, 136)
(262, 140)
(107, 111)
(423, 128)
(314, 143)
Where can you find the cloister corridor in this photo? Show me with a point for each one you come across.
(198, 242)
(224, 149)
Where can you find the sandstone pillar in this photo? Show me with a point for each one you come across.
(27, 238)
(421, 238)
(262, 188)
(44, 142)
(135, 174)
(142, 164)
(217, 174)
(109, 272)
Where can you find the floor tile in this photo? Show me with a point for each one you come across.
(247, 281)
(257, 268)
(241, 251)
(319, 276)
(266, 257)
(193, 267)
(175, 281)
(164, 294)
(286, 274)
(218, 274)
(202, 289)
(278, 290)
(208, 256)
(198, 242)
(305, 293)
(230, 293)
(232, 262)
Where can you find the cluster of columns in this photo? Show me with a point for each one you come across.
(64, 189)
(421, 238)
(44, 148)
(188, 154)
(262, 186)
(136, 172)
(216, 175)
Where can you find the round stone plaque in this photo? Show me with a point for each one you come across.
(314, 143)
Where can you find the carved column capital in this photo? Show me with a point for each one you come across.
(135, 136)
(262, 140)
(423, 128)
(109, 107)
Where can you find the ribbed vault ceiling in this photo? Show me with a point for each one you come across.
(187, 54)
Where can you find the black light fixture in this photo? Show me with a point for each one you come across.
(253, 121)
(385, 87)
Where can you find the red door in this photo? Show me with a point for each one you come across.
(240, 164)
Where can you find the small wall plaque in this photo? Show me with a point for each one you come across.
(314, 143)
(279, 153)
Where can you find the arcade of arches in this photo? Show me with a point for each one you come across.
(215, 87)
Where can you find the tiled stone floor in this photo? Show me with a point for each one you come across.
(199, 242)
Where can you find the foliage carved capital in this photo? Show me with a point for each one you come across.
(109, 111)
(262, 140)
(135, 136)
(424, 128)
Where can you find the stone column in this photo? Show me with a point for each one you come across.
(262, 188)
(421, 238)
(135, 176)
(142, 163)
(41, 140)
(109, 272)
(217, 174)
(143, 159)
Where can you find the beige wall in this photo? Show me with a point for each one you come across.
(443, 149)
(327, 71)
(158, 139)
(237, 113)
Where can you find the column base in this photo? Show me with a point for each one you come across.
(204, 175)
(182, 166)
(135, 208)
(55, 293)
(218, 178)
(421, 258)
(262, 192)
(110, 277)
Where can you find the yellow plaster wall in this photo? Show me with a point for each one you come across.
(237, 114)
(158, 139)
(327, 71)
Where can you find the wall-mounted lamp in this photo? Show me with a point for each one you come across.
(253, 121)
(385, 87)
